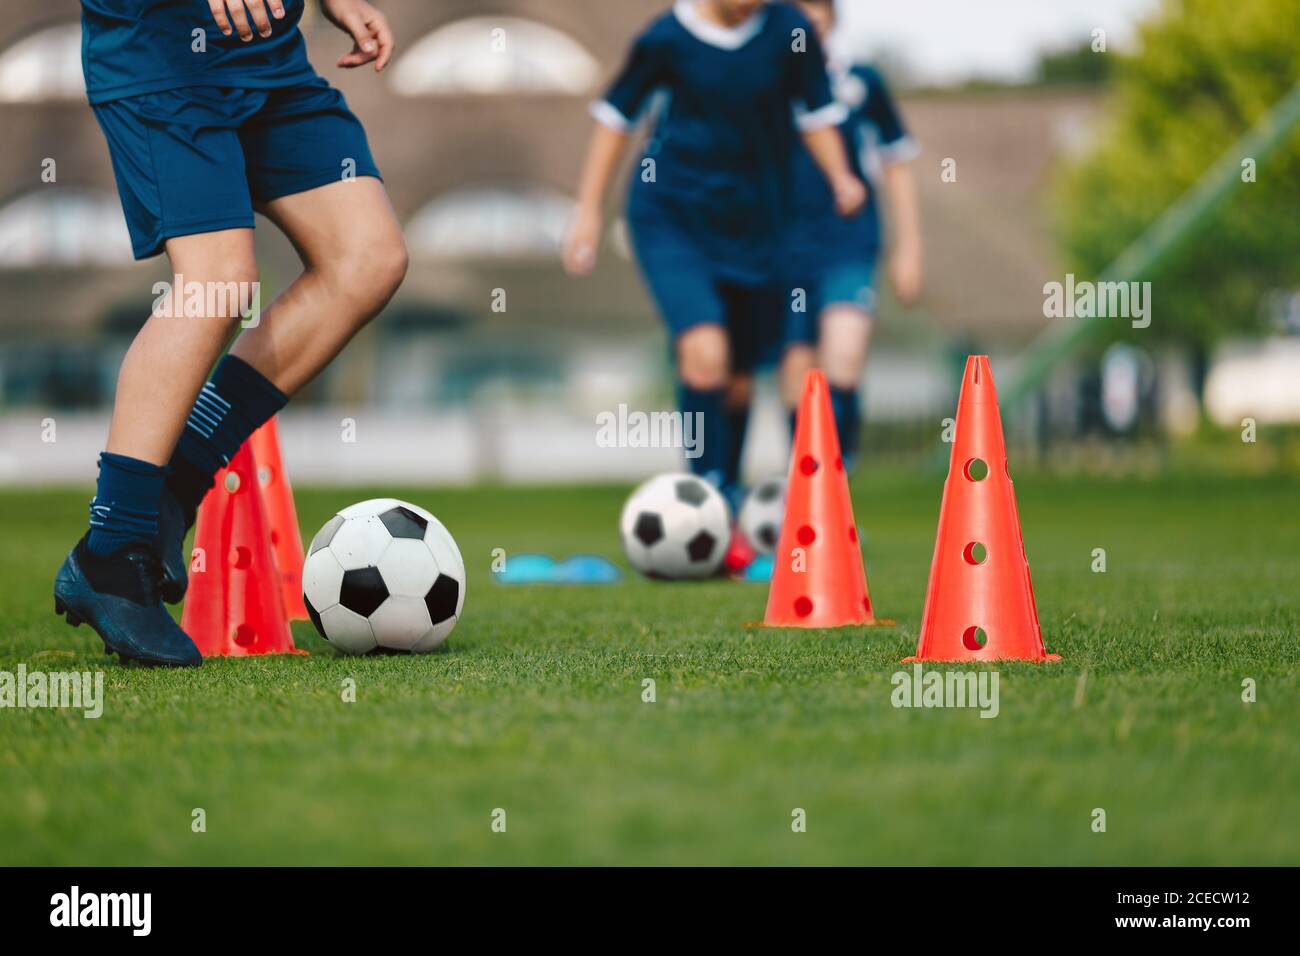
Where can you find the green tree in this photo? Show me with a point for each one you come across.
(1205, 71)
(1074, 66)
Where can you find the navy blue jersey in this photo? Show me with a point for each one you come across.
(874, 136)
(130, 47)
(717, 163)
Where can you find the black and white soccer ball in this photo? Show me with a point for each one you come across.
(676, 526)
(762, 513)
(384, 575)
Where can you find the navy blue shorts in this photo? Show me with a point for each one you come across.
(851, 284)
(198, 159)
(689, 292)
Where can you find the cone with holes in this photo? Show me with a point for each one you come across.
(234, 606)
(818, 579)
(286, 539)
(980, 602)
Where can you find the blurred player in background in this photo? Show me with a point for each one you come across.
(833, 258)
(744, 83)
(212, 110)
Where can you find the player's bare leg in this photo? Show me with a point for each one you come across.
(704, 357)
(703, 369)
(111, 579)
(842, 347)
(354, 258)
(171, 356)
(843, 344)
(796, 363)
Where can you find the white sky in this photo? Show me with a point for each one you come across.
(942, 41)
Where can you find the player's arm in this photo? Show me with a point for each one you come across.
(616, 118)
(817, 117)
(230, 16)
(372, 37)
(827, 149)
(906, 270)
(898, 149)
(583, 238)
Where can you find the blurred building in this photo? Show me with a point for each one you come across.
(479, 127)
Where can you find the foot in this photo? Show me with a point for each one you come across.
(118, 596)
(173, 525)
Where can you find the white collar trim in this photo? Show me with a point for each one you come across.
(726, 38)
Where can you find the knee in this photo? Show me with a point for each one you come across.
(227, 292)
(843, 373)
(391, 262)
(703, 358)
(846, 335)
(246, 285)
(370, 268)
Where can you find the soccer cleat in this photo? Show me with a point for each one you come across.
(173, 525)
(118, 596)
(740, 554)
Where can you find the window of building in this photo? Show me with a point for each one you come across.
(508, 221)
(43, 66)
(494, 55)
(60, 226)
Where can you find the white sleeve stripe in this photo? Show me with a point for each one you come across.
(900, 150)
(607, 114)
(832, 114)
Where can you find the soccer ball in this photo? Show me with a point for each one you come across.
(762, 513)
(384, 575)
(676, 526)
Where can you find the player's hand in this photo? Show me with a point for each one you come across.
(228, 12)
(850, 195)
(906, 273)
(372, 37)
(581, 241)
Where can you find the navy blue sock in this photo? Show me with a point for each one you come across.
(706, 412)
(737, 427)
(234, 404)
(848, 421)
(125, 506)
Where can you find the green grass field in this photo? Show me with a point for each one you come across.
(535, 706)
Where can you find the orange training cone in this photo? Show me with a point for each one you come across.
(233, 606)
(277, 494)
(818, 579)
(980, 602)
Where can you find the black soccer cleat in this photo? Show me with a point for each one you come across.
(118, 596)
(173, 525)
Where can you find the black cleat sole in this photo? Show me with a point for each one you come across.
(74, 620)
